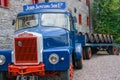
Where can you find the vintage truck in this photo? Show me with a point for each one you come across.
(45, 43)
(47, 46)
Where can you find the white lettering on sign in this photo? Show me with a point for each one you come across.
(60, 5)
(30, 8)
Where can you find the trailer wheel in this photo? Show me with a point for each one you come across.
(88, 52)
(2, 76)
(112, 50)
(117, 51)
(79, 63)
(94, 50)
(67, 75)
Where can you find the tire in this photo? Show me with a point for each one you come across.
(112, 50)
(67, 75)
(117, 51)
(83, 53)
(94, 50)
(88, 52)
(79, 64)
(3, 76)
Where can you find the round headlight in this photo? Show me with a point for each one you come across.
(2, 59)
(54, 58)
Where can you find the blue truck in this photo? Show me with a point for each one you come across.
(47, 45)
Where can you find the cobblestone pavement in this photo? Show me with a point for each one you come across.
(99, 67)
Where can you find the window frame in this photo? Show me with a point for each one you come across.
(68, 21)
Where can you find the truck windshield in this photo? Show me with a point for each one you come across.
(54, 20)
(27, 21)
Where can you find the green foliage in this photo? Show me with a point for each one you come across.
(106, 17)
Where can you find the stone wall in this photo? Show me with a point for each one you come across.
(7, 15)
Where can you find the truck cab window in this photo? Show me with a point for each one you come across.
(27, 21)
(55, 20)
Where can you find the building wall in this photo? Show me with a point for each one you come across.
(7, 15)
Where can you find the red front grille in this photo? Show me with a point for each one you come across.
(26, 50)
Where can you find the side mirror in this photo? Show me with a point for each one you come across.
(13, 22)
(75, 19)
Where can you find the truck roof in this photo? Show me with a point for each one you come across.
(43, 11)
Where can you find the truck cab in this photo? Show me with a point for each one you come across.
(45, 43)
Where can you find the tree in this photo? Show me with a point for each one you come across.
(106, 18)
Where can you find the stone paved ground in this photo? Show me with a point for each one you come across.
(99, 67)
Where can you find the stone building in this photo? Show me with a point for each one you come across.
(10, 8)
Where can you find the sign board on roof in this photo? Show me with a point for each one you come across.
(49, 5)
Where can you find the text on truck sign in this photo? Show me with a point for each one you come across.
(49, 5)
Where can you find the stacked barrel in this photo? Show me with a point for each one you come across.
(98, 38)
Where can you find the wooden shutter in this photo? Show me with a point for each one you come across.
(88, 21)
(35, 1)
(80, 18)
(5, 3)
(0, 2)
(87, 2)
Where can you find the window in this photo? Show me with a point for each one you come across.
(55, 20)
(87, 2)
(88, 21)
(4, 3)
(27, 21)
(35, 1)
(80, 18)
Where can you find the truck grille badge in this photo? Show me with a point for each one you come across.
(19, 43)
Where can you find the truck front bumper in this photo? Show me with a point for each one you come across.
(15, 70)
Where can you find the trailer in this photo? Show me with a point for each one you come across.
(47, 45)
(93, 48)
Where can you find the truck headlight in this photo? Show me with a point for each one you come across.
(54, 58)
(2, 59)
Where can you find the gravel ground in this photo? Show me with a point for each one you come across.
(99, 67)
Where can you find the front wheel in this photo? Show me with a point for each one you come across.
(67, 75)
(79, 63)
(3, 76)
